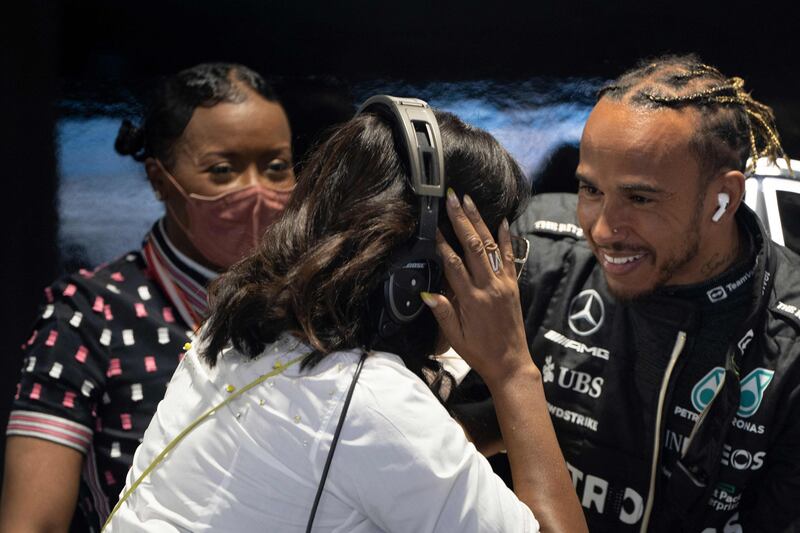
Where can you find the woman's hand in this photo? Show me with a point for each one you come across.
(483, 321)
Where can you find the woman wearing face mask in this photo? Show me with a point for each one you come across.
(216, 147)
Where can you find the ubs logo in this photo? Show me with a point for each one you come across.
(580, 382)
(586, 312)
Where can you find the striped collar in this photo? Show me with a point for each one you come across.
(183, 279)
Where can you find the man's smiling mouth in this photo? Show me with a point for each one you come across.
(621, 260)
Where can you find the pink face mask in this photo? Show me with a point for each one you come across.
(227, 227)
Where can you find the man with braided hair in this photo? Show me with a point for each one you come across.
(663, 318)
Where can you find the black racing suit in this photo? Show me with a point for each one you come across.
(713, 445)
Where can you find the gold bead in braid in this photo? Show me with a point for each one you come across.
(755, 111)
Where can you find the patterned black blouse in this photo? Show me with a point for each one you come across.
(100, 357)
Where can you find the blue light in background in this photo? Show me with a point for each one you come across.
(106, 205)
(530, 118)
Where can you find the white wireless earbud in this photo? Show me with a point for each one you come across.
(723, 199)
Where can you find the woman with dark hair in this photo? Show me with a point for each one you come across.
(216, 147)
(241, 440)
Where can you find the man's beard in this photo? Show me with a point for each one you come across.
(674, 263)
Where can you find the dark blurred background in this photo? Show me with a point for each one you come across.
(64, 61)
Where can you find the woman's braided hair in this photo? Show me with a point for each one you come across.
(733, 126)
(174, 100)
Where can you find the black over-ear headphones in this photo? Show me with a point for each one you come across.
(415, 267)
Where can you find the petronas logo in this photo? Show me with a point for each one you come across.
(705, 389)
(752, 388)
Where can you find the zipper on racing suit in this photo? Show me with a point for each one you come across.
(680, 342)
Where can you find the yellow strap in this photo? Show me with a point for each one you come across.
(278, 369)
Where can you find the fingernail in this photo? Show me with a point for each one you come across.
(469, 204)
(504, 223)
(452, 199)
(428, 298)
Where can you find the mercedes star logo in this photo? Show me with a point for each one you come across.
(586, 312)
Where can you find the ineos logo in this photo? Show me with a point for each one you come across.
(742, 459)
(586, 312)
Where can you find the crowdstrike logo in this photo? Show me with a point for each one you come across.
(586, 312)
(752, 388)
(572, 417)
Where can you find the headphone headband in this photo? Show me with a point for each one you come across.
(420, 135)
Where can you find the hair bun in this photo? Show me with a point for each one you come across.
(130, 140)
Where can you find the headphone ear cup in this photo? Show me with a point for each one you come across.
(404, 287)
(402, 302)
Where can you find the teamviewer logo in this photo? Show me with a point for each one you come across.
(717, 294)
